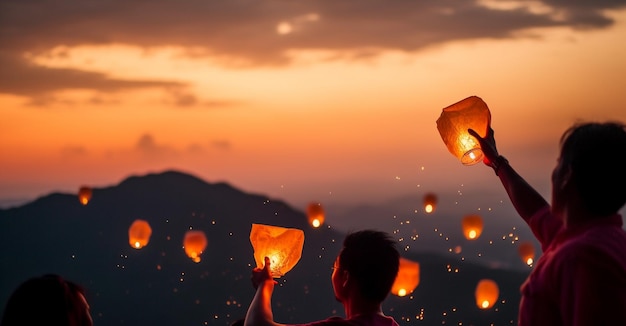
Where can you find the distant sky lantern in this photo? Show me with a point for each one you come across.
(84, 195)
(195, 242)
(139, 234)
(408, 278)
(453, 123)
(430, 202)
(282, 245)
(486, 293)
(526, 252)
(315, 214)
(472, 226)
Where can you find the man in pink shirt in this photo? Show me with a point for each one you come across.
(580, 279)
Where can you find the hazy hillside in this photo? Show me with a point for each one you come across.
(159, 285)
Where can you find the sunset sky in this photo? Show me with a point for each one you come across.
(333, 101)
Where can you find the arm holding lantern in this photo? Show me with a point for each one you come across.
(526, 200)
(260, 310)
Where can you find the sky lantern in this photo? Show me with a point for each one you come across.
(453, 123)
(315, 214)
(408, 278)
(472, 226)
(430, 202)
(486, 293)
(139, 234)
(84, 195)
(526, 251)
(282, 245)
(194, 243)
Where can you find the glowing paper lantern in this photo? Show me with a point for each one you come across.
(430, 202)
(453, 123)
(194, 243)
(472, 226)
(84, 195)
(315, 214)
(139, 234)
(526, 252)
(408, 278)
(283, 246)
(486, 293)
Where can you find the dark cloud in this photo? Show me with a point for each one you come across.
(244, 32)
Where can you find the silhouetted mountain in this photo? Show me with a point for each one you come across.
(160, 285)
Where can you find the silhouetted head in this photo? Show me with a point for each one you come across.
(592, 161)
(47, 300)
(369, 262)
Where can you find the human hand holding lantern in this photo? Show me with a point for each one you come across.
(282, 246)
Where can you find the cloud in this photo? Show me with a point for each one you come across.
(258, 32)
(147, 146)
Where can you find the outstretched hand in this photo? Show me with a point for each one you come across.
(260, 275)
(487, 145)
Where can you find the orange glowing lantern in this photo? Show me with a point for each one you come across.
(456, 119)
(526, 252)
(486, 293)
(139, 234)
(84, 195)
(283, 246)
(194, 243)
(315, 214)
(472, 226)
(430, 202)
(408, 278)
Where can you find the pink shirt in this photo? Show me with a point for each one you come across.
(580, 279)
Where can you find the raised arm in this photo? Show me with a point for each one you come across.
(523, 196)
(260, 310)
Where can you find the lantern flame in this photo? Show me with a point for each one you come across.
(407, 279)
(315, 214)
(526, 251)
(486, 293)
(84, 195)
(430, 201)
(472, 226)
(195, 242)
(139, 234)
(529, 261)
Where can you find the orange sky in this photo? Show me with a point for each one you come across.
(307, 101)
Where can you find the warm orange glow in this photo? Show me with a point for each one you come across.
(526, 251)
(454, 122)
(283, 246)
(84, 195)
(408, 277)
(139, 234)
(472, 226)
(486, 293)
(315, 214)
(195, 242)
(430, 202)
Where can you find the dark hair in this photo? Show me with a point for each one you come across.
(596, 154)
(372, 260)
(46, 300)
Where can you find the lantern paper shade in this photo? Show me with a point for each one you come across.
(315, 214)
(139, 234)
(472, 226)
(195, 242)
(430, 202)
(486, 293)
(84, 195)
(526, 252)
(456, 119)
(283, 246)
(408, 277)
